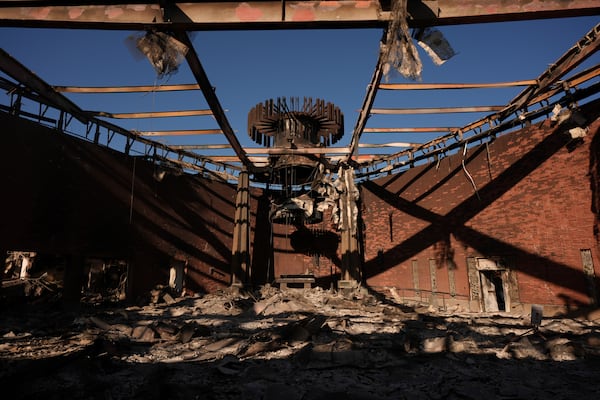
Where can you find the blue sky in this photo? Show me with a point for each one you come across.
(248, 67)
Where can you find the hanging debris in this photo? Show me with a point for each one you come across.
(292, 207)
(435, 44)
(399, 51)
(327, 191)
(164, 52)
(348, 198)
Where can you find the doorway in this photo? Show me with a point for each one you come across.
(494, 285)
(493, 290)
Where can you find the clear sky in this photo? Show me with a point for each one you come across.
(248, 67)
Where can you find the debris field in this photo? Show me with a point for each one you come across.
(290, 344)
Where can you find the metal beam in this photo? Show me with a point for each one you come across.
(264, 160)
(222, 15)
(392, 144)
(368, 101)
(574, 81)
(434, 110)
(409, 130)
(308, 150)
(179, 132)
(227, 159)
(150, 114)
(441, 146)
(125, 89)
(443, 86)
(201, 146)
(268, 151)
(302, 150)
(449, 12)
(211, 98)
(585, 47)
(578, 53)
(20, 73)
(35, 88)
(217, 15)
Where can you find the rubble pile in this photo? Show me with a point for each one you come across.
(292, 344)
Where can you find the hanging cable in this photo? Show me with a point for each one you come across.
(489, 159)
(467, 172)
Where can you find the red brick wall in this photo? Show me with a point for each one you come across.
(534, 204)
(312, 249)
(530, 205)
(595, 183)
(64, 196)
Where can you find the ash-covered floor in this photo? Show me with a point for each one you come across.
(291, 345)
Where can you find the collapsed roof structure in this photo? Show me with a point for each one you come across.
(305, 175)
(426, 266)
(167, 42)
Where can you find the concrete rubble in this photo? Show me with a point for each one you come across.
(292, 344)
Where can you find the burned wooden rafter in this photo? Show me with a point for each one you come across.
(21, 74)
(533, 94)
(300, 150)
(184, 132)
(269, 151)
(214, 146)
(391, 144)
(578, 53)
(434, 110)
(150, 114)
(126, 89)
(572, 82)
(211, 98)
(409, 130)
(442, 145)
(368, 101)
(36, 89)
(445, 86)
(230, 159)
(175, 16)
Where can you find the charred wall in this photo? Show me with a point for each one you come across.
(308, 249)
(287, 247)
(70, 198)
(526, 203)
(595, 183)
(522, 203)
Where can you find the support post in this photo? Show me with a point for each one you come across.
(349, 233)
(240, 259)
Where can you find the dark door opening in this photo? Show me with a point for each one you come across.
(492, 289)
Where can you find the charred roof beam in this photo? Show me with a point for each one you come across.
(21, 74)
(38, 90)
(365, 110)
(578, 53)
(211, 98)
(222, 15)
